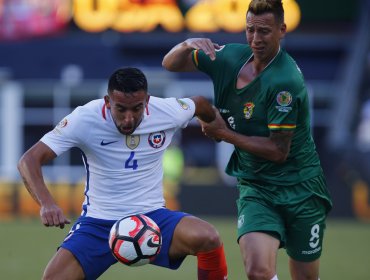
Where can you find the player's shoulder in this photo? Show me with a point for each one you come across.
(170, 111)
(288, 63)
(93, 107)
(289, 73)
(233, 48)
(170, 104)
(88, 113)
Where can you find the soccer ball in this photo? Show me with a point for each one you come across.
(135, 240)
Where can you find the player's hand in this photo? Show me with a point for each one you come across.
(205, 45)
(215, 128)
(52, 216)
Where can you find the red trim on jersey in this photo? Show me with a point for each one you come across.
(103, 112)
(146, 107)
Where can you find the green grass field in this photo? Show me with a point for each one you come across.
(26, 247)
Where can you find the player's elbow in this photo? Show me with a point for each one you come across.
(172, 67)
(23, 162)
(278, 157)
(178, 64)
(169, 63)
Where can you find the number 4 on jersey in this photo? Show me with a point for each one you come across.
(131, 163)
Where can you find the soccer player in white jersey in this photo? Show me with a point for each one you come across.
(122, 139)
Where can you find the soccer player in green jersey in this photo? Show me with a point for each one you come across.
(263, 110)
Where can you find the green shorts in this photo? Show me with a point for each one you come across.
(293, 214)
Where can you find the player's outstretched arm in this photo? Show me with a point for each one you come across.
(178, 59)
(275, 148)
(203, 109)
(29, 167)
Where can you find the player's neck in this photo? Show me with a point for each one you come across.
(261, 64)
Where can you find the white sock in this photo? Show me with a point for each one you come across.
(275, 278)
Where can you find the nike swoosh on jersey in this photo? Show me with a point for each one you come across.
(107, 143)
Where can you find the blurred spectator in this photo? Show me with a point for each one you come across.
(20, 19)
(363, 130)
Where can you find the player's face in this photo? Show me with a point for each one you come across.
(127, 109)
(264, 33)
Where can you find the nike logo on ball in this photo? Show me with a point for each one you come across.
(107, 143)
(151, 244)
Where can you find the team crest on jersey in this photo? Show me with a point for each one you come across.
(157, 139)
(284, 99)
(248, 110)
(183, 104)
(62, 123)
(132, 141)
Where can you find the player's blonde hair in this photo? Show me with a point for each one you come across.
(258, 7)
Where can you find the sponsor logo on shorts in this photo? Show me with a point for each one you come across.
(304, 252)
(240, 221)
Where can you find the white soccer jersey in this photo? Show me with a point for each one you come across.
(123, 172)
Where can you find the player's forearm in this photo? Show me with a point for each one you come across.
(179, 58)
(32, 178)
(262, 147)
(203, 109)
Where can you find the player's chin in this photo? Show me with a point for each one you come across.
(259, 51)
(127, 130)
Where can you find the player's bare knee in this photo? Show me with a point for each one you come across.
(258, 275)
(209, 239)
(257, 272)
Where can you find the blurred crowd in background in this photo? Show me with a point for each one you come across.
(58, 54)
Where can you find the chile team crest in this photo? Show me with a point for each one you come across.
(156, 139)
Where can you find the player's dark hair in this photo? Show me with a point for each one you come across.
(259, 7)
(127, 80)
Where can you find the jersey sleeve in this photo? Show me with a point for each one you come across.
(180, 110)
(206, 65)
(68, 133)
(284, 107)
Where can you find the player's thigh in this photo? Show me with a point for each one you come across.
(259, 251)
(304, 270)
(193, 235)
(259, 215)
(62, 266)
(305, 232)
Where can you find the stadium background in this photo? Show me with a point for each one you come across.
(56, 55)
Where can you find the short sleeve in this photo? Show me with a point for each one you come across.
(66, 134)
(283, 110)
(181, 110)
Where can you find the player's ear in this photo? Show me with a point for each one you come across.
(282, 30)
(106, 100)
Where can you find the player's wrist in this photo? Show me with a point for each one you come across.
(187, 46)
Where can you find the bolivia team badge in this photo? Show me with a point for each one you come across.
(248, 110)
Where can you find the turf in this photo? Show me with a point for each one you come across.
(26, 247)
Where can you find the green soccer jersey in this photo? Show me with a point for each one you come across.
(275, 100)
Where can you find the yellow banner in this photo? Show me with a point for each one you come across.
(147, 15)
